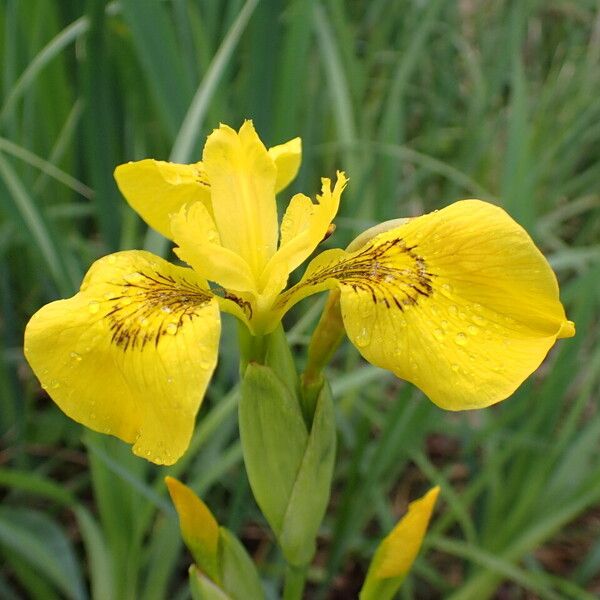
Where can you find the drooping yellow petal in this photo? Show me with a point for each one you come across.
(287, 158)
(156, 189)
(242, 177)
(397, 552)
(199, 246)
(131, 354)
(460, 302)
(199, 528)
(303, 227)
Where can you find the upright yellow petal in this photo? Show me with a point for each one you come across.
(156, 189)
(131, 354)
(242, 177)
(397, 552)
(303, 227)
(199, 246)
(287, 158)
(199, 528)
(460, 302)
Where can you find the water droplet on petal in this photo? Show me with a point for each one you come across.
(472, 329)
(143, 321)
(171, 329)
(363, 338)
(455, 368)
(54, 384)
(453, 310)
(447, 287)
(413, 365)
(94, 307)
(93, 416)
(478, 319)
(439, 334)
(166, 309)
(444, 324)
(111, 259)
(170, 380)
(460, 339)
(75, 356)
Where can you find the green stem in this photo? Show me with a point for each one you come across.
(295, 580)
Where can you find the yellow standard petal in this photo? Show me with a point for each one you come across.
(131, 354)
(303, 227)
(156, 189)
(242, 177)
(397, 552)
(199, 528)
(287, 158)
(460, 302)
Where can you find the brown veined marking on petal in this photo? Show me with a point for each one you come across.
(245, 305)
(150, 306)
(202, 177)
(369, 270)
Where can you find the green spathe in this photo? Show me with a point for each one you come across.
(289, 467)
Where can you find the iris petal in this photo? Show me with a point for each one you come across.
(460, 302)
(131, 354)
(155, 189)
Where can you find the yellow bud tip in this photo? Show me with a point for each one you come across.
(567, 330)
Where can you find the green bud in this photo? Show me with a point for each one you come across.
(289, 468)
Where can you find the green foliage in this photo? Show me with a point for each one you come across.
(421, 103)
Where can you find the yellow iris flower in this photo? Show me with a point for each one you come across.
(460, 302)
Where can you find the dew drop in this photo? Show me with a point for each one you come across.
(402, 322)
(170, 380)
(204, 363)
(93, 416)
(363, 338)
(75, 356)
(455, 368)
(413, 365)
(453, 310)
(109, 295)
(478, 319)
(94, 307)
(472, 329)
(44, 386)
(460, 339)
(171, 329)
(126, 301)
(477, 307)
(213, 236)
(143, 321)
(462, 315)
(445, 325)
(166, 309)
(54, 385)
(439, 334)
(447, 287)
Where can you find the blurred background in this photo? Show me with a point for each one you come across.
(421, 103)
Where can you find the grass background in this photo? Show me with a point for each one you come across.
(421, 103)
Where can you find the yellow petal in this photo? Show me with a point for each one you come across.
(199, 528)
(287, 158)
(199, 246)
(303, 227)
(242, 177)
(460, 302)
(131, 354)
(155, 189)
(399, 549)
